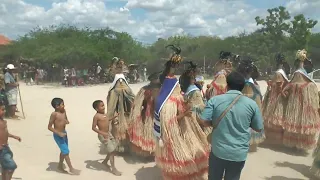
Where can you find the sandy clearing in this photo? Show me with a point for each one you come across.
(37, 154)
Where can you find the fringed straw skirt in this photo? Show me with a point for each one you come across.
(120, 100)
(315, 168)
(301, 121)
(182, 156)
(273, 117)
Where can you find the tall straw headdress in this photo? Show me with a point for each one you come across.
(175, 57)
(174, 60)
(225, 61)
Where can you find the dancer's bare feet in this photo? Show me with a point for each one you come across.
(116, 172)
(75, 171)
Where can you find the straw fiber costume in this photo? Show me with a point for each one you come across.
(221, 69)
(274, 104)
(252, 90)
(192, 94)
(120, 99)
(200, 84)
(301, 120)
(141, 118)
(315, 168)
(180, 151)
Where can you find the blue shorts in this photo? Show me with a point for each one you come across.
(6, 159)
(62, 143)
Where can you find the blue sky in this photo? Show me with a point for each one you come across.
(147, 20)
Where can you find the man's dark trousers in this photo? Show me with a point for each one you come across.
(219, 167)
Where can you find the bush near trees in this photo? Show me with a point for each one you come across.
(71, 46)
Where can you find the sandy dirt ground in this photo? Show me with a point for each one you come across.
(37, 154)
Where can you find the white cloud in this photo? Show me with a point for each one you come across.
(310, 8)
(146, 20)
(222, 22)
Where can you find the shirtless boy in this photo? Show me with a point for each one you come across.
(6, 157)
(57, 125)
(100, 125)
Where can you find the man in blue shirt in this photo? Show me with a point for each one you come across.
(230, 139)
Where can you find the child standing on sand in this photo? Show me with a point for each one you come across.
(59, 120)
(100, 125)
(6, 157)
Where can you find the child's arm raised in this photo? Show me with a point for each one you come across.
(51, 122)
(95, 129)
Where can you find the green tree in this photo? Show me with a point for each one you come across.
(300, 31)
(275, 24)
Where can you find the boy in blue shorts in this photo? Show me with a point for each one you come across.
(6, 157)
(57, 125)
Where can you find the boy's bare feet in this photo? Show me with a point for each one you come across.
(116, 172)
(15, 117)
(105, 162)
(61, 169)
(75, 171)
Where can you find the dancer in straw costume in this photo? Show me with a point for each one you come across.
(200, 84)
(301, 120)
(315, 168)
(221, 69)
(120, 99)
(141, 124)
(274, 103)
(192, 93)
(252, 90)
(179, 152)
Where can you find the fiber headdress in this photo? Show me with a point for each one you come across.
(175, 57)
(246, 66)
(225, 62)
(301, 56)
(173, 62)
(188, 74)
(280, 60)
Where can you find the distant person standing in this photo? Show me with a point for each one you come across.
(66, 76)
(145, 74)
(73, 76)
(98, 70)
(11, 88)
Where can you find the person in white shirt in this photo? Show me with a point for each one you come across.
(145, 73)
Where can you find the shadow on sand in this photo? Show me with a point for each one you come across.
(96, 165)
(53, 166)
(301, 168)
(282, 149)
(12, 178)
(281, 178)
(153, 173)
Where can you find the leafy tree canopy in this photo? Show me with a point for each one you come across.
(81, 47)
